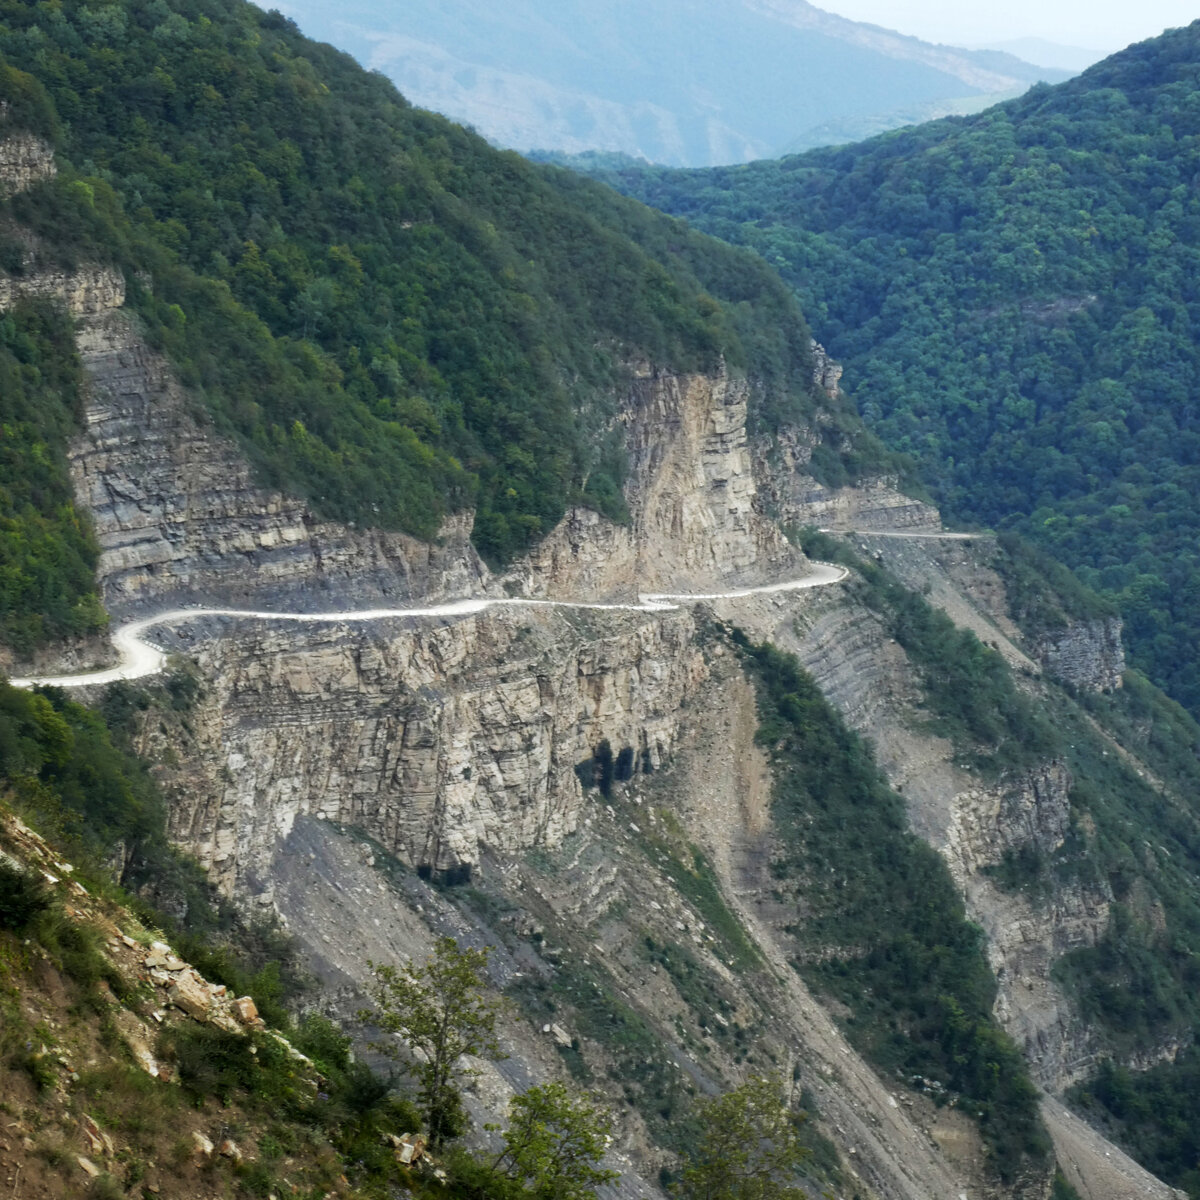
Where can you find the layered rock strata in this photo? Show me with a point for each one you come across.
(438, 738)
(180, 519)
(976, 824)
(1086, 654)
(24, 160)
(697, 518)
(794, 498)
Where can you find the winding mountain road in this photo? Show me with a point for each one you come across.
(139, 657)
(936, 536)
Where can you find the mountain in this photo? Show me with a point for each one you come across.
(1013, 297)
(1048, 54)
(686, 83)
(458, 526)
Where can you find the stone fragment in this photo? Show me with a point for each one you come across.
(98, 1141)
(225, 1021)
(229, 1149)
(245, 1010)
(189, 994)
(89, 1167)
(203, 1147)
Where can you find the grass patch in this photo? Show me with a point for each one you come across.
(693, 875)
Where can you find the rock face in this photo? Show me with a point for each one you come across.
(439, 739)
(827, 373)
(88, 290)
(791, 495)
(1028, 933)
(180, 520)
(1088, 655)
(1029, 812)
(973, 823)
(24, 160)
(696, 514)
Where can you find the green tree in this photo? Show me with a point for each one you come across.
(748, 1146)
(553, 1144)
(441, 1011)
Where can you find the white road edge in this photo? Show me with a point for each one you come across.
(139, 657)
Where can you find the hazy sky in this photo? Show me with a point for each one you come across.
(1095, 24)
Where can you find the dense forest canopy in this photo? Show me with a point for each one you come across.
(397, 320)
(1016, 297)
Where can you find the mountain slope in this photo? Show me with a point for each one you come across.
(688, 83)
(659, 814)
(399, 324)
(1014, 297)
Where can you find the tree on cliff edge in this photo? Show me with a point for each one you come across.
(748, 1146)
(440, 1010)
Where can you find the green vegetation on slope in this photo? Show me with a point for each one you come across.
(1015, 298)
(395, 319)
(880, 925)
(1137, 836)
(71, 773)
(47, 551)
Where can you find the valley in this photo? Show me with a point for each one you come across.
(417, 582)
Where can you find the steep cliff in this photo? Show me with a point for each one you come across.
(440, 739)
(1086, 655)
(180, 519)
(24, 158)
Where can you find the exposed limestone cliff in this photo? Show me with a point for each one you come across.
(1088, 655)
(24, 160)
(972, 823)
(827, 372)
(87, 290)
(1031, 811)
(696, 515)
(437, 738)
(179, 518)
(795, 498)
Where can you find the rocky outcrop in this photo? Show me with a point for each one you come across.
(1028, 812)
(1028, 932)
(1086, 654)
(437, 738)
(1026, 936)
(696, 515)
(180, 519)
(795, 498)
(85, 291)
(827, 372)
(24, 161)
(975, 824)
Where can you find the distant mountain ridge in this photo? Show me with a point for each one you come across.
(682, 83)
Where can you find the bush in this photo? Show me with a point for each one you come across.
(23, 896)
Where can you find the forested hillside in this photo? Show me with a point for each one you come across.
(396, 320)
(1015, 298)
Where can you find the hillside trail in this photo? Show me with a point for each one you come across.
(138, 657)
